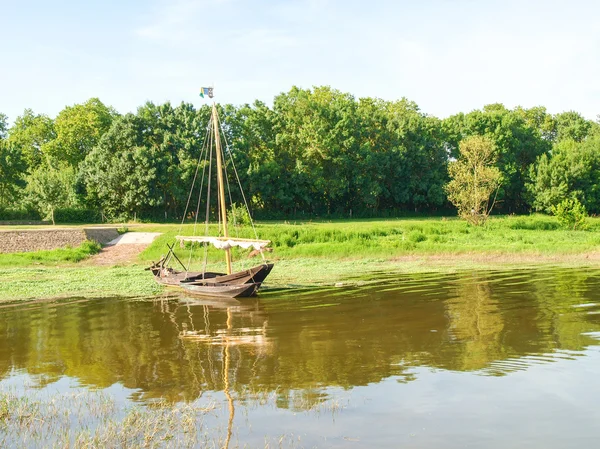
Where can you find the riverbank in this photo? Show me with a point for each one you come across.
(325, 254)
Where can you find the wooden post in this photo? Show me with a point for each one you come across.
(221, 184)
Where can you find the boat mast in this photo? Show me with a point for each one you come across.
(221, 185)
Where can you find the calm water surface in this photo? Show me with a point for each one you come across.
(490, 359)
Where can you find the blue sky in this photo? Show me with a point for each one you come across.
(446, 55)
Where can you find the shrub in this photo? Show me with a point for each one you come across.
(238, 215)
(570, 213)
(19, 214)
(416, 236)
(73, 215)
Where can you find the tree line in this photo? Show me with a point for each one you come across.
(314, 152)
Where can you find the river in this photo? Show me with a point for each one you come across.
(483, 359)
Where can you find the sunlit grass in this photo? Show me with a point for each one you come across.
(359, 239)
(75, 281)
(49, 257)
(316, 253)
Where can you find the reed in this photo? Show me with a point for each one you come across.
(93, 419)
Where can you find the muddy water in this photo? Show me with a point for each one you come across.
(489, 359)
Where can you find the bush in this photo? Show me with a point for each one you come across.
(238, 215)
(416, 236)
(19, 214)
(534, 224)
(571, 214)
(73, 215)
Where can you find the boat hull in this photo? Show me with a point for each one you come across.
(217, 290)
(210, 282)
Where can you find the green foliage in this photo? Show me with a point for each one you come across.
(519, 136)
(572, 171)
(571, 125)
(51, 188)
(570, 213)
(315, 153)
(238, 215)
(30, 135)
(12, 173)
(76, 215)
(416, 236)
(3, 126)
(540, 223)
(21, 214)
(474, 179)
(132, 171)
(79, 129)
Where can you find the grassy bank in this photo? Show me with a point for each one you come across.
(25, 283)
(49, 257)
(389, 239)
(317, 253)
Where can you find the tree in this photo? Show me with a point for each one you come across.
(572, 171)
(12, 173)
(520, 136)
(118, 172)
(145, 163)
(473, 179)
(51, 188)
(572, 125)
(30, 134)
(12, 167)
(3, 126)
(78, 129)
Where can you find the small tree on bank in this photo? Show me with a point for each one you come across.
(571, 213)
(473, 179)
(50, 188)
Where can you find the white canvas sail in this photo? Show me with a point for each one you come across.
(226, 242)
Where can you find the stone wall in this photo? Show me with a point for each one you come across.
(40, 239)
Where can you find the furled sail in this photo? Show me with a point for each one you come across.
(225, 242)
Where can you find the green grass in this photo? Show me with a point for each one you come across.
(75, 281)
(360, 239)
(318, 252)
(51, 257)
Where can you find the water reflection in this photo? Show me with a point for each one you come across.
(295, 347)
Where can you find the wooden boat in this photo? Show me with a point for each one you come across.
(231, 284)
(225, 290)
(170, 276)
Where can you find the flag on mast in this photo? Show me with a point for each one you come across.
(206, 91)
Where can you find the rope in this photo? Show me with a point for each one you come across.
(207, 200)
(241, 190)
(200, 157)
(236, 230)
(202, 150)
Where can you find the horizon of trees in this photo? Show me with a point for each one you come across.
(315, 152)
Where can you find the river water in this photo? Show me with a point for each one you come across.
(484, 359)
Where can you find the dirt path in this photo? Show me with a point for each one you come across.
(124, 249)
(117, 254)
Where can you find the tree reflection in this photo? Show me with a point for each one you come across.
(293, 348)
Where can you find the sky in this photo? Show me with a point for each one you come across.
(448, 56)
